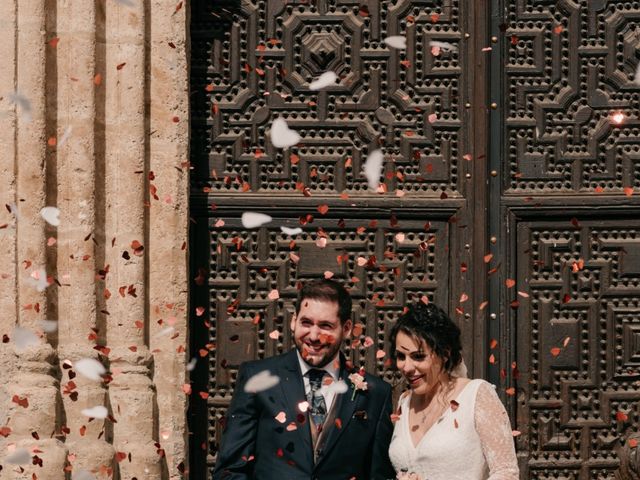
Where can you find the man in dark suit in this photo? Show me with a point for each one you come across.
(305, 414)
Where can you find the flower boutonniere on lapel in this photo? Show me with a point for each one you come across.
(358, 383)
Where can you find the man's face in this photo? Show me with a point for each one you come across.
(317, 331)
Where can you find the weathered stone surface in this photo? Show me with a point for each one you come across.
(94, 109)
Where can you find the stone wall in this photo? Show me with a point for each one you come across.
(93, 121)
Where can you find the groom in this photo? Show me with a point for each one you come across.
(321, 421)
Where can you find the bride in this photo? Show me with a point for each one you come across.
(448, 427)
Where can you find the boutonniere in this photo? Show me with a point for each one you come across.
(358, 383)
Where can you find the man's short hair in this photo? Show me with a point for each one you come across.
(327, 291)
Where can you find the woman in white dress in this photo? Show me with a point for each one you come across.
(447, 427)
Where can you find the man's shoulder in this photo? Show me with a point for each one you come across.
(266, 363)
(376, 383)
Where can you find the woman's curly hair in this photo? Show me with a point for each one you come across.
(430, 323)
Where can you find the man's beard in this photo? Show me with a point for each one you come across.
(329, 352)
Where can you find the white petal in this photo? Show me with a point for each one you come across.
(24, 104)
(291, 231)
(126, 3)
(192, 364)
(65, 136)
(90, 368)
(83, 475)
(373, 168)
(24, 338)
(20, 456)
(165, 331)
(281, 135)
(95, 412)
(397, 41)
(335, 387)
(51, 215)
(38, 280)
(444, 46)
(48, 326)
(261, 381)
(254, 220)
(325, 80)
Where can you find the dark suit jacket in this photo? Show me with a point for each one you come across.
(257, 446)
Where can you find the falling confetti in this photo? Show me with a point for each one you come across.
(618, 118)
(90, 368)
(98, 411)
(83, 475)
(444, 46)
(126, 3)
(48, 326)
(261, 381)
(65, 136)
(24, 338)
(291, 231)
(38, 280)
(51, 215)
(336, 388)
(20, 456)
(396, 41)
(255, 220)
(373, 168)
(281, 417)
(23, 102)
(282, 136)
(325, 80)
(192, 364)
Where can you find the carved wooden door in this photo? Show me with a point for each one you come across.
(506, 197)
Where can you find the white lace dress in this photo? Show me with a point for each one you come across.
(474, 442)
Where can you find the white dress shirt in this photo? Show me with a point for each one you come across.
(332, 368)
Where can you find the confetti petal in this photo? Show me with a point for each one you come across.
(98, 411)
(281, 417)
(274, 335)
(90, 368)
(24, 338)
(274, 295)
(291, 231)
(337, 388)
(51, 215)
(38, 280)
(20, 456)
(325, 80)
(65, 136)
(192, 364)
(255, 220)
(373, 168)
(444, 46)
(261, 381)
(48, 326)
(282, 136)
(396, 41)
(23, 102)
(83, 475)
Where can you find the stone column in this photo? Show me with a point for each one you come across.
(33, 386)
(78, 236)
(168, 218)
(131, 392)
(8, 269)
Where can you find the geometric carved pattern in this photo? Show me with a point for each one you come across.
(580, 348)
(569, 67)
(262, 56)
(382, 269)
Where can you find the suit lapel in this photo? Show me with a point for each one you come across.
(345, 407)
(293, 391)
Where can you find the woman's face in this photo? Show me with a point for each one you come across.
(420, 366)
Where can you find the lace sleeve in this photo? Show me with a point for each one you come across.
(494, 428)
